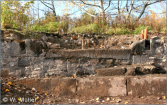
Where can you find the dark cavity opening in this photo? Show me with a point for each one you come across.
(147, 44)
(22, 45)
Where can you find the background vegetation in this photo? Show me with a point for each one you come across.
(16, 16)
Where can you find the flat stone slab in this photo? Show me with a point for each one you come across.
(111, 71)
(94, 87)
(100, 86)
(127, 42)
(145, 86)
(56, 86)
(126, 70)
(96, 53)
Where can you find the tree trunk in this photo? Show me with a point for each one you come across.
(54, 12)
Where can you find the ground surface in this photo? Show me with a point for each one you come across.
(12, 90)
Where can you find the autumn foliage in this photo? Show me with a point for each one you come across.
(17, 16)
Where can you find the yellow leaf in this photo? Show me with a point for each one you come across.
(19, 99)
(9, 83)
(7, 90)
(82, 102)
(164, 97)
(126, 102)
(37, 98)
(46, 94)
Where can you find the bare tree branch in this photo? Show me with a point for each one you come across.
(155, 2)
(46, 5)
(54, 12)
(108, 5)
(127, 5)
(83, 10)
(72, 13)
(144, 7)
(38, 8)
(130, 10)
(89, 4)
(46, 2)
(118, 8)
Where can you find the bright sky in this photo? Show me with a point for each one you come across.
(59, 6)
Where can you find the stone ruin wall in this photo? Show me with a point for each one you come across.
(24, 62)
(20, 59)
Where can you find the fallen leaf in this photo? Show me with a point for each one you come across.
(82, 102)
(19, 99)
(164, 97)
(108, 99)
(46, 94)
(7, 90)
(97, 99)
(126, 102)
(9, 83)
(119, 100)
(37, 98)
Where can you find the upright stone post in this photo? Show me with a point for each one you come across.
(82, 44)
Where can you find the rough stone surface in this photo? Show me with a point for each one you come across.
(111, 71)
(28, 49)
(15, 49)
(61, 61)
(145, 86)
(56, 86)
(115, 53)
(130, 71)
(146, 69)
(96, 87)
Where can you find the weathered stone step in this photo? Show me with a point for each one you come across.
(113, 53)
(100, 86)
(136, 69)
(112, 71)
(127, 42)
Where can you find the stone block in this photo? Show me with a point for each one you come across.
(15, 49)
(146, 69)
(96, 87)
(144, 59)
(130, 71)
(111, 71)
(28, 49)
(57, 86)
(146, 86)
(136, 59)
